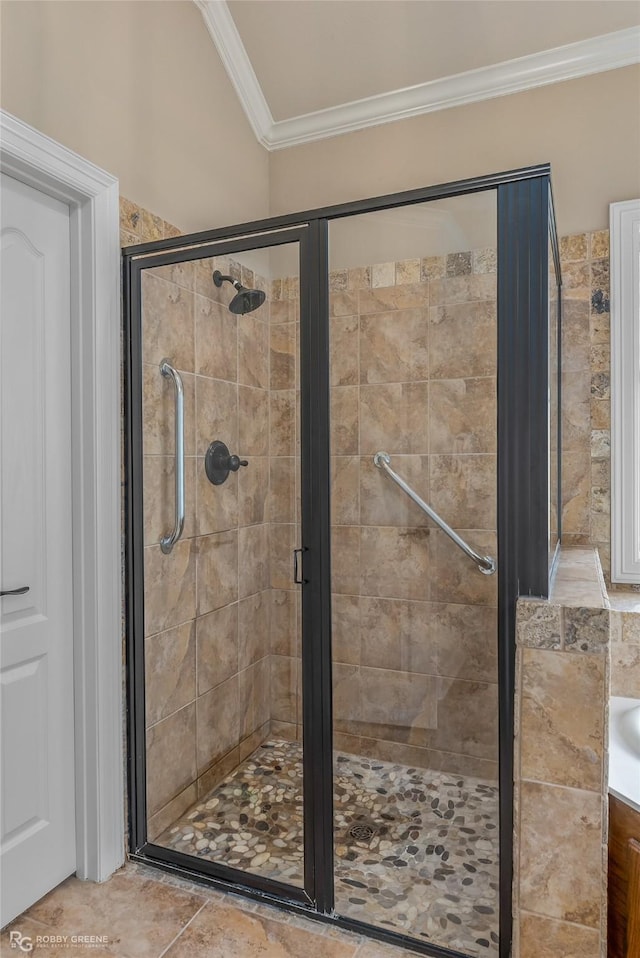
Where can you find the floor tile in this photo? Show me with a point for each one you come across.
(222, 932)
(141, 917)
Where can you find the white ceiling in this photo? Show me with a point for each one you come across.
(307, 69)
(309, 55)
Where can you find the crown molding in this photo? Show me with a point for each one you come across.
(236, 62)
(596, 55)
(569, 62)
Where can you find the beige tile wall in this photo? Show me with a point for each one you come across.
(586, 401)
(207, 605)
(560, 828)
(559, 759)
(222, 613)
(284, 514)
(625, 645)
(413, 363)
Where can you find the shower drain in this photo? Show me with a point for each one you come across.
(361, 832)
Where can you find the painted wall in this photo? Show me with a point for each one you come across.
(588, 129)
(137, 88)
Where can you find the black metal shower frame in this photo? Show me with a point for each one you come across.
(525, 222)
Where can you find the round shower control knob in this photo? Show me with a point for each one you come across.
(235, 463)
(219, 462)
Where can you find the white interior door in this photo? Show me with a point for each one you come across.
(37, 787)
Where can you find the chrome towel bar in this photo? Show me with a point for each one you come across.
(167, 542)
(486, 564)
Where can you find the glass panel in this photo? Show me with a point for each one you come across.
(554, 421)
(222, 646)
(413, 375)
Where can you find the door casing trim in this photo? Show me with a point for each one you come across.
(92, 197)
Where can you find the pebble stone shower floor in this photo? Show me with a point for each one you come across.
(416, 850)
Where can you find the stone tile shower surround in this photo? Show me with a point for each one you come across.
(585, 355)
(560, 827)
(625, 645)
(213, 687)
(207, 645)
(284, 509)
(586, 399)
(382, 673)
(425, 677)
(586, 490)
(413, 366)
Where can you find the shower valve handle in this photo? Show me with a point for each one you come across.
(219, 462)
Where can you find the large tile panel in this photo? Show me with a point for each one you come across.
(217, 647)
(463, 416)
(564, 732)
(394, 347)
(167, 323)
(217, 571)
(218, 723)
(170, 669)
(171, 757)
(561, 837)
(169, 586)
(394, 418)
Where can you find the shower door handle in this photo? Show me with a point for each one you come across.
(297, 577)
(168, 541)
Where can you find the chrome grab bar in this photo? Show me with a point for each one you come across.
(167, 542)
(486, 564)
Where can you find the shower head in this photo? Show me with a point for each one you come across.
(245, 300)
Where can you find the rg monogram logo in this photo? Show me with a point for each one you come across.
(18, 940)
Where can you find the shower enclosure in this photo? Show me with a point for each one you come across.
(342, 469)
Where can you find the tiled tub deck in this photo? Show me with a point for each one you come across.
(416, 850)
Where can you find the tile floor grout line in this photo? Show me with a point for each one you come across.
(182, 930)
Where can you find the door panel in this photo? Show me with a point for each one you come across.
(24, 697)
(36, 670)
(415, 672)
(222, 643)
(23, 507)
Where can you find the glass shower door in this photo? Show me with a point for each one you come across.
(220, 446)
(415, 674)
(326, 515)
